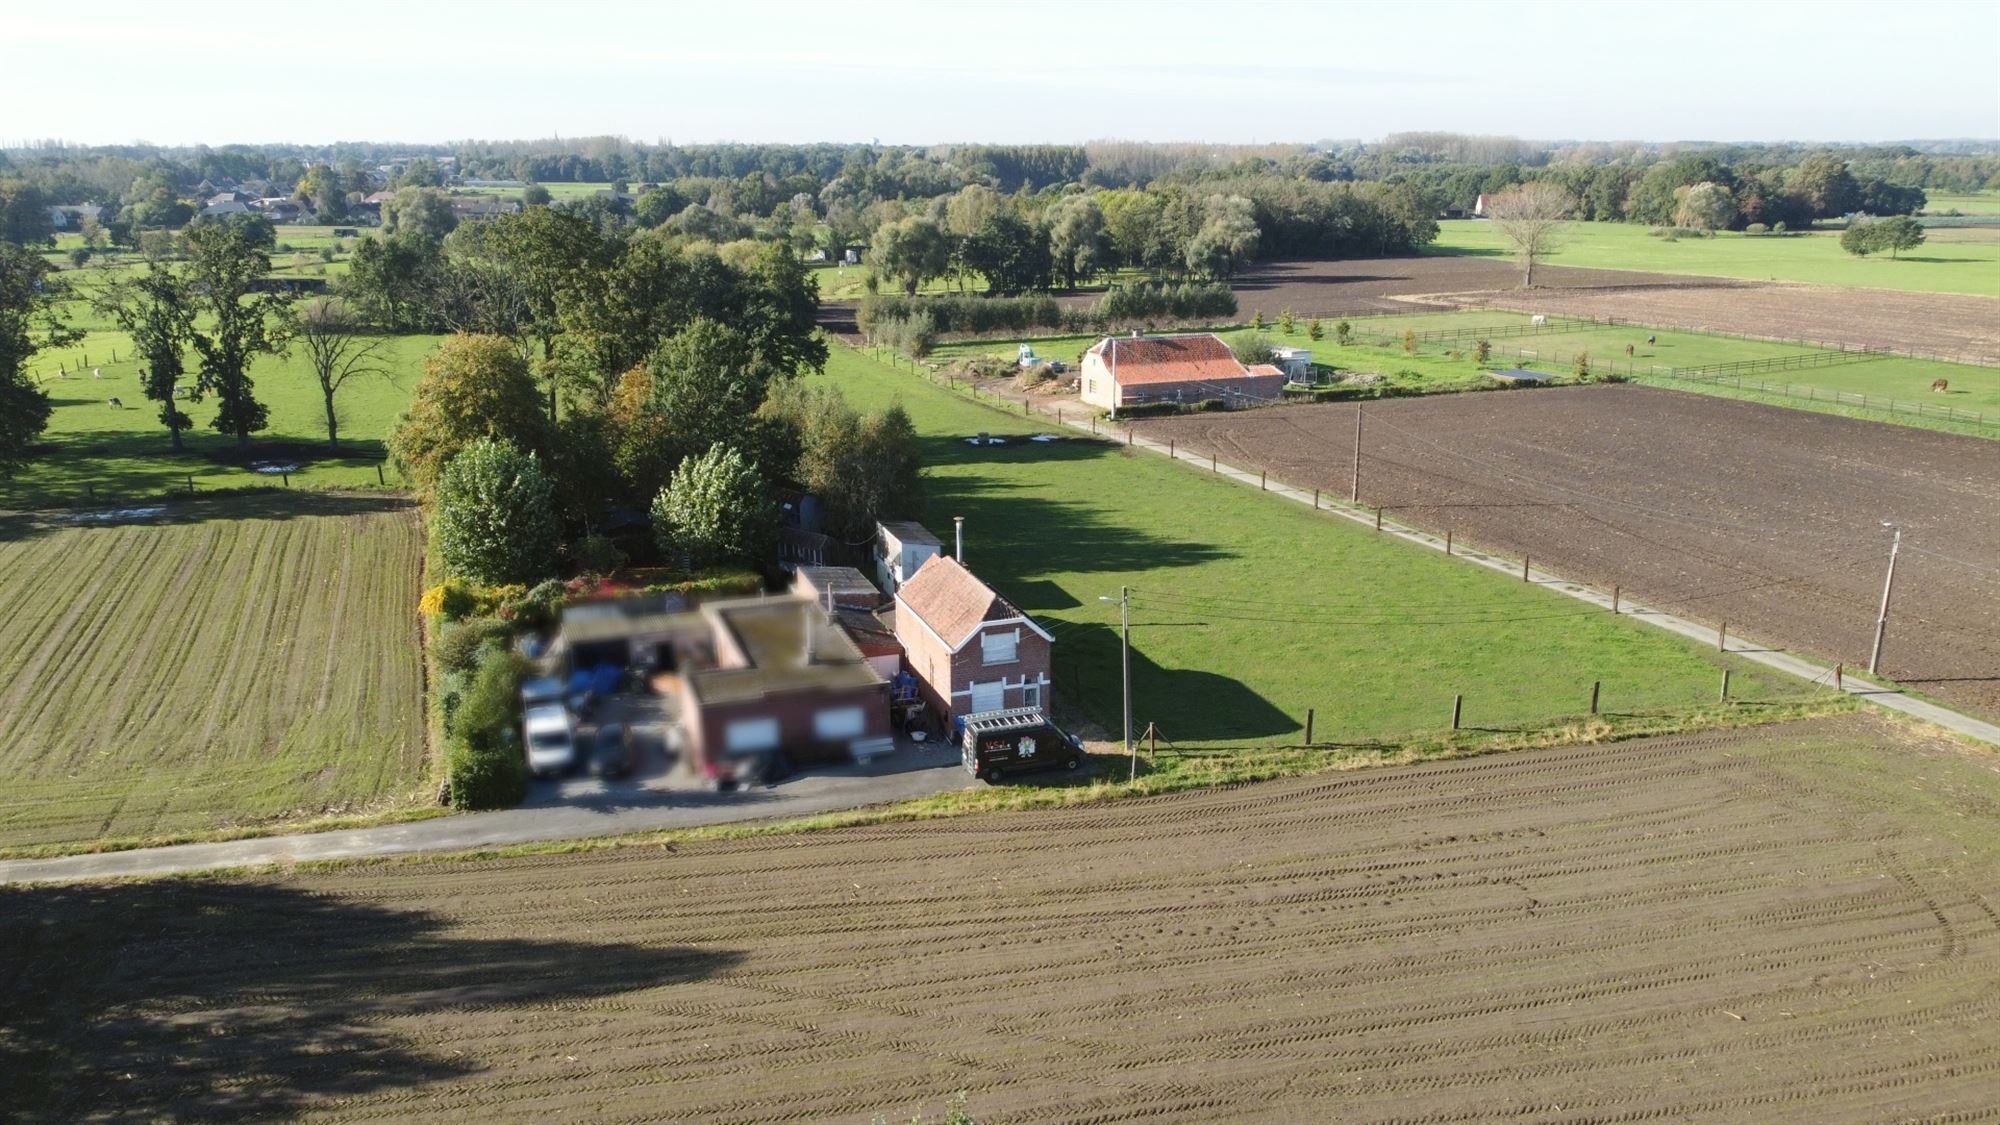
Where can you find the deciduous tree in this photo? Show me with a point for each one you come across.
(156, 310)
(239, 321)
(715, 510)
(474, 387)
(1531, 218)
(494, 515)
(341, 347)
(29, 322)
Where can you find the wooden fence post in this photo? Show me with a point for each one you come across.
(1378, 519)
(1260, 480)
(1315, 499)
(190, 478)
(1722, 637)
(1614, 599)
(1170, 450)
(1725, 686)
(1447, 541)
(1594, 686)
(1837, 669)
(1213, 466)
(1309, 726)
(1457, 709)
(1524, 568)
(379, 478)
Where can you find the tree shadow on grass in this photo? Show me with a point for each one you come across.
(206, 1000)
(1187, 705)
(1023, 525)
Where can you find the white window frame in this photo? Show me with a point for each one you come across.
(1031, 693)
(986, 647)
(747, 736)
(839, 724)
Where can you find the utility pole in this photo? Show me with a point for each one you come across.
(1124, 600)
(1888, 584)
(1354, 489)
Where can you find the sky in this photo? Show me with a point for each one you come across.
(221, 71)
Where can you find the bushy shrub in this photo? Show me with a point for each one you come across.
(1341, 331)
(1314, 331)
(1410, 341)
(485, 764)
(1755, 228)
(597, 554)
(459, 644)
(495, 519)
(1582, 369)
(451, 599)
(1482, 351)
(1253, 349)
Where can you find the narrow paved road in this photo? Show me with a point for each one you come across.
(584, 810)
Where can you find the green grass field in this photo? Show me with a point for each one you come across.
(1248, 610)
(1375, 347)
(213, 666)
(1939, 266)
(93, 450)
(1964, 202)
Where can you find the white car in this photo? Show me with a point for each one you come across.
(551, 739)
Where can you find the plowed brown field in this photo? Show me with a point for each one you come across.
(1941, 325)
(1361, 286)
(1776, 924)
(1766, 518)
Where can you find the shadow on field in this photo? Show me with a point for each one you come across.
(1187, 704)
(273, 504)
(1012, 534)
(204, 1000)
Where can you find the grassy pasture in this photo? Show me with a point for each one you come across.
(124, 453)
(213, 666)
(1376, 347)
(1249, 610)
(1964, 202)
(1938, 266)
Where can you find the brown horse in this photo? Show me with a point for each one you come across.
(1942, 386)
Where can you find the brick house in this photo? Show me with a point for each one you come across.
(970, 649)
(765, 674)
(1130, 370)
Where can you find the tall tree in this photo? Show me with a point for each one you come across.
(1704, 206)
(340, 346)
(157, 311)
(910, 251)
(420, 211)
(1825, 184)
(393, 280)
(494, 515)
(715, 510)
(1531, 218)
(29, 322)
(1226, 239)
(1076, 238)
(543, 249)
(240, 320)
(474, 387)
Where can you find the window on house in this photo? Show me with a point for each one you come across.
(1031, 695)
(1000, 648)
(743, 736)
(838, 723)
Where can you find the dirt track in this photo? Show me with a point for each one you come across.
(1742, 926)
(1944, 325)
(1769, 519)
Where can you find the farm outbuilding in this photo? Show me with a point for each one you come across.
(1121, 371)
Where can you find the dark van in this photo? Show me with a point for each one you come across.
(998, 744)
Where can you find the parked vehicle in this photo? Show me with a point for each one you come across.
(998, 744)
(613, 752)
(550, 738)
(540, 690)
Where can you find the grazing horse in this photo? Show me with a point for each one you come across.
(116, 405)
(1628, 351)
(1942, 386)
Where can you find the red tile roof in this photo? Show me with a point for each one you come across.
(1140, 360)
(946, 596)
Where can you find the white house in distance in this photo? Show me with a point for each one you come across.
(1129, 370)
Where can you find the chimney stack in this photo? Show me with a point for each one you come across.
(958, 522)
